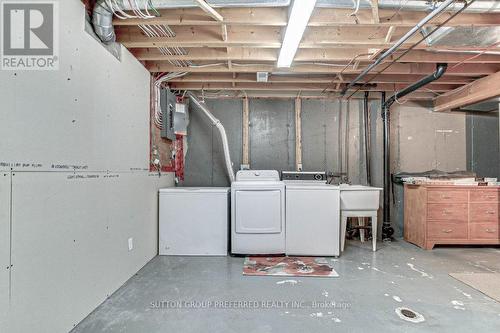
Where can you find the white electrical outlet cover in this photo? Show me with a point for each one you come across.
(130, 244)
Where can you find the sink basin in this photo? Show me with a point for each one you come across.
(359, 197)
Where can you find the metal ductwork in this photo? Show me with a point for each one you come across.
(481, 6)
(387, 230)
(216, 122)
(102, 21)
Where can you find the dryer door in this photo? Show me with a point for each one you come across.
(258, 212)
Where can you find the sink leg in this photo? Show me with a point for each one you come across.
(374, 218)
(343, 228)
(361, 223)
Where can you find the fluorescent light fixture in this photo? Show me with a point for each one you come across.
(297, 23)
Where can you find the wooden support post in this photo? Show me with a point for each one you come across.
(298, 134)
(246, 138)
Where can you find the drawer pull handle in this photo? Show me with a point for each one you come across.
(490, 231)
(446, 212)
(443, 196)
(491, 197)
(491, 212)
(447, 231)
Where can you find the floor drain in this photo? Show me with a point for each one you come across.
(410, 315)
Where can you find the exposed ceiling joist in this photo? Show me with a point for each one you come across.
(260, 86)
(324, 17)
(323, 79)
(474, 70)
(258, 36)
(226, 47)
(477, 91)
(313, 55)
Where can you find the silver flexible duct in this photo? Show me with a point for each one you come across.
(102, 20)
(222, 131)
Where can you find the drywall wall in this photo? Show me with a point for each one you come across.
(75, 143)
(482, 144)
(4, 244)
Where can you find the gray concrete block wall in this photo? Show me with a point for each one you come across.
(483, 144)
(272, 134)
(204, 164)
(272, 138)
(420, 140)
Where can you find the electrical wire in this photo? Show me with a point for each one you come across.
(476, 55)
(466, 5)
(164, 30)
(356, 9)
(119, 9)
(159, 80)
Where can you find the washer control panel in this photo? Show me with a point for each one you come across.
(319, 176)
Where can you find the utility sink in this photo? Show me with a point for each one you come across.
(359, 197)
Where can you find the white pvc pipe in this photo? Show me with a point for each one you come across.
(222, 131)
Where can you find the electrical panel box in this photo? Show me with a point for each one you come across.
(174, 115)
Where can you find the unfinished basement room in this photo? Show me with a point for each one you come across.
(260, 166)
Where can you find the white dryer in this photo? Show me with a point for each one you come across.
(257, 213)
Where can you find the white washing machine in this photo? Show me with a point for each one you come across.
(193, 221)
(312, 215)
(257, 213)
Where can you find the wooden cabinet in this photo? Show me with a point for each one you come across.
(449, 214)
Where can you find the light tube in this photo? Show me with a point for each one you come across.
(297, 23)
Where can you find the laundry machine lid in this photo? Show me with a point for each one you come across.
(195, 190)
(258, 175)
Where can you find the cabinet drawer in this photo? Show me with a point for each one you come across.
(484, 196)
(451, 212)
(484, 231)
(447, 230)
(484, 212)
(448, 196)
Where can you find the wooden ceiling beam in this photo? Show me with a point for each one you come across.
(294, 86)
(308, 55)
(323, 79)
(477, 91)
(259, 37)
(321, 17)
(416, 96)
(473, 70)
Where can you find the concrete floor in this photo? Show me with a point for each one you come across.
(370, 287)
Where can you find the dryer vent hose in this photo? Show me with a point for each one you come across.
(216, 122)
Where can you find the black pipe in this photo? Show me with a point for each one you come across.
(367, 139)
(387, 230)
(440, 70)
